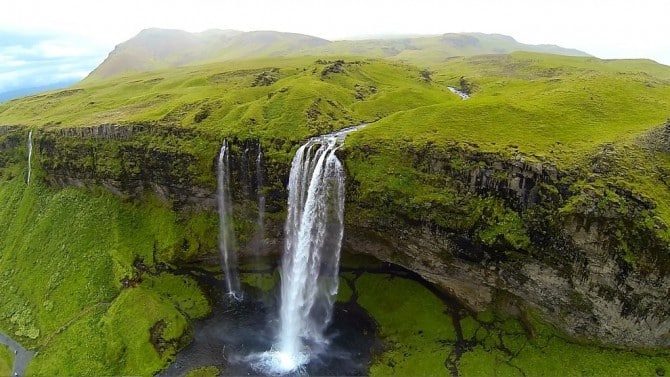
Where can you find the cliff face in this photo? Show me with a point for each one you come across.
(125, 161)
(591, 268)
(178, 166)
(591, 265)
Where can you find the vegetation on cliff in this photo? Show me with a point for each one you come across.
(560, 114)
(76, 293)
(427, 336)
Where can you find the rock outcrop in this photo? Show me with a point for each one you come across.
(574, 273)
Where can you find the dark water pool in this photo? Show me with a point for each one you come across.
(236, 332)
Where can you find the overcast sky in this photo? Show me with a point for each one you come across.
(42, 41)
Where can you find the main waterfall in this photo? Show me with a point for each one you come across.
(310, 264)
(314, 226)
(226, 236)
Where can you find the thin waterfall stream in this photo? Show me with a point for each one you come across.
(30, 155)
(226, 235)
(260, 233)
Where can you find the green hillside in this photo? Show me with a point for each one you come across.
(62, 280)
(553, 109)
(154, 49)
(288, 98)
(547, 107)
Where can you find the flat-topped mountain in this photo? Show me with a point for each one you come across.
(162, 48)
(153, 49)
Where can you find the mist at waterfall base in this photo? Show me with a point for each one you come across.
(236, 334)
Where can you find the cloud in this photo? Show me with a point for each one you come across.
(39, 59)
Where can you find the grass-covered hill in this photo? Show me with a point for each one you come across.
(595, 126)
(154, 48)
(289, 99)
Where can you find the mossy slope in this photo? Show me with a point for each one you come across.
(423, 337)
(62, 280)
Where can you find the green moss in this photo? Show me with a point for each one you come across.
(135, 320)
(470, 328)
(481, 362)
(182, 291)
(415, 329)
(500, 224)
(75, 349)
(50, 254)
(344, 292)
(198, 230)
(61, 280)
(487, 316)
(420, 340)
(263, 281)
(6, 360)
(579, 360)
(210, 371)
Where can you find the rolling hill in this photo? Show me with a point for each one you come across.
(162, 48)
(154, 49)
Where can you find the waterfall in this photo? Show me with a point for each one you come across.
(226, 235)
(314, 226)
(310, 263)
(260, 233)
(30, 155)
(462, 94)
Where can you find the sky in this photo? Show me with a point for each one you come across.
(46, 41)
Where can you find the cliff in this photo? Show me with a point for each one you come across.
(593, 260)
(591, 264)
